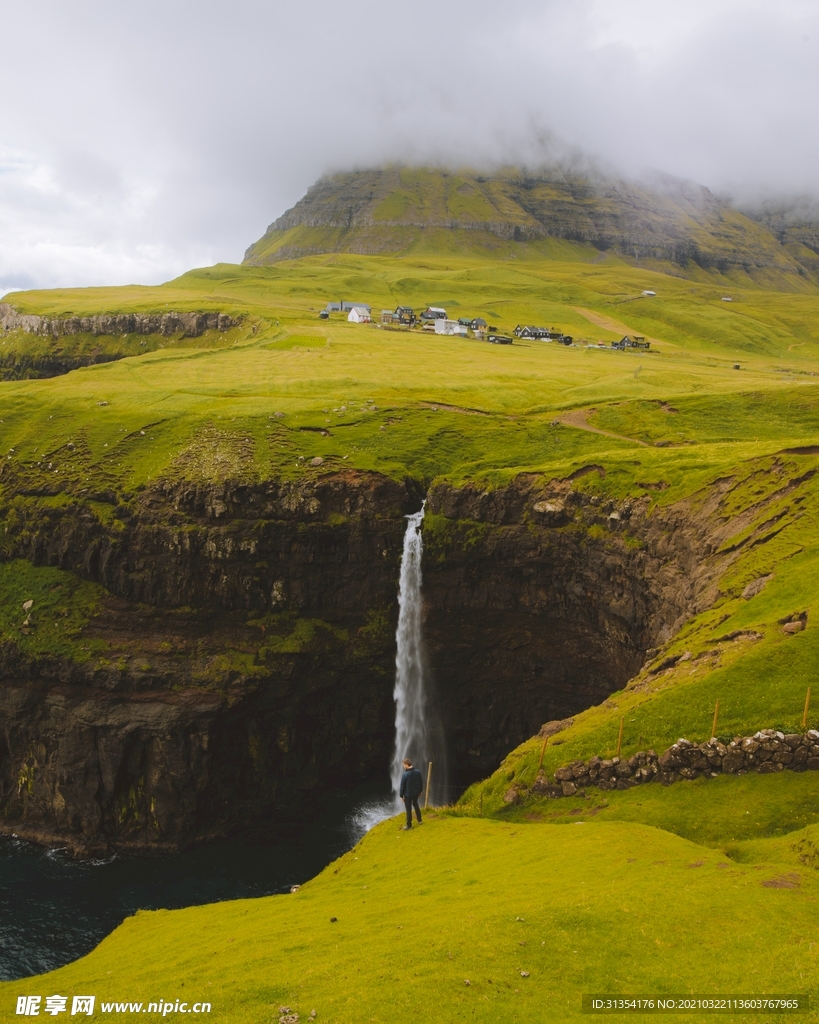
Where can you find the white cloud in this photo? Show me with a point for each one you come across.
(145, 138)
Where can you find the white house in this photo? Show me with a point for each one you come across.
(648, 293)
(359, 315)
(451, 327)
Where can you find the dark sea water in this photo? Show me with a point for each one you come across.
(54, 909)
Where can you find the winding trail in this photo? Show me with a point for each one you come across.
(577, 418)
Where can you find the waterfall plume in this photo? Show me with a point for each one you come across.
(418, 732)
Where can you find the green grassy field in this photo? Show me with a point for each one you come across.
(467, 920)
(708, 887)
(212, 410)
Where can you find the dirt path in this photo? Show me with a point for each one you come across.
(577, 418)
(608, 323)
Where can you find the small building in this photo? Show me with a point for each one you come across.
(628, 341)
(452, 327)
(530, 331)
(343, 306)
(359, 315)
(433, 313)
(478, 324)
(386, 316)
(648, 293)
(404, 315)
(499, 339)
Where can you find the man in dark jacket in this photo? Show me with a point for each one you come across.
(412, 785)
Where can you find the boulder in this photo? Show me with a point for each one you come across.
(733, 761)
(552, 728)
(754, 588)
(669, 761)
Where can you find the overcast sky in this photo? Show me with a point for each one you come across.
(139, 138)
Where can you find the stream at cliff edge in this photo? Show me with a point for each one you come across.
(54, 909)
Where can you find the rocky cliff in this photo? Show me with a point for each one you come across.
(241, 654)
(36, 346)
(188, 325)
(390, 209)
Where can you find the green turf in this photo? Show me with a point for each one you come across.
(396, 928)
(425, 389)
(61, 607)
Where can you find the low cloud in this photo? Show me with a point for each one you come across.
(138, 140)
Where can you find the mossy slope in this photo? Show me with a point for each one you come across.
(397, 927)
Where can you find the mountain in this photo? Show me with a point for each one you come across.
(398, 209)
(795, 225)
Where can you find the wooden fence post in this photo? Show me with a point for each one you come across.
(542, 752)
(429, 783)
(807, 708)
(620, 738)
(716, 716)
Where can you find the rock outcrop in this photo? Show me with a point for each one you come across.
(247, 663)
(188, 325)
(242, 656)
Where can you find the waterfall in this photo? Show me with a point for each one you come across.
(418, 733)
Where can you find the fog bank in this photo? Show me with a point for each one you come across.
(138, 140)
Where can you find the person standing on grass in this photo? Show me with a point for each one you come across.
(412, 785)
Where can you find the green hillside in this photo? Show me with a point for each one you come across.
(708, 887)
(464, 920)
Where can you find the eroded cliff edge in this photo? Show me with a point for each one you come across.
(240, 656)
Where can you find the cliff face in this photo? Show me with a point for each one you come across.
(189, 325)
(40, 346)
(244, 655)
(389, 209)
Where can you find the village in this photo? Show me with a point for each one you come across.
(435, 320)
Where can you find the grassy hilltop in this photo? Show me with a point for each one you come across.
(705, 887)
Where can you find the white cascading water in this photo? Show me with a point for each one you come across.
(412, 729)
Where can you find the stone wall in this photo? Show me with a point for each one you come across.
(767, 751)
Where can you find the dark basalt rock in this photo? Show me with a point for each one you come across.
(250, 642)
